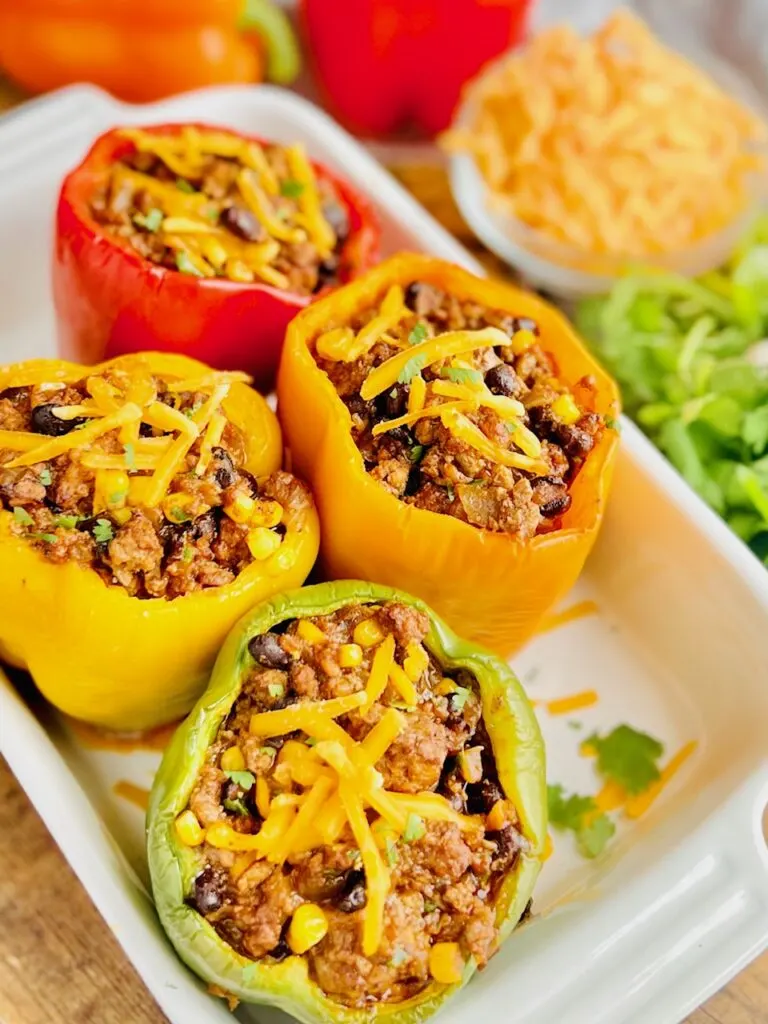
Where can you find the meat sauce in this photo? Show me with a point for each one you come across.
(443, 878)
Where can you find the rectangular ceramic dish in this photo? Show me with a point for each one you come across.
(676, 643)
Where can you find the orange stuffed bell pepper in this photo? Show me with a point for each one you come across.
(459, 439)
(142, 512)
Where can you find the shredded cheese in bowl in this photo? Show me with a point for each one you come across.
(595, 151)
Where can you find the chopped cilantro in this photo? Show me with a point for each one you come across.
(178, 514)
(628, 757)
(244, 780)
(414, 828)
(237, 807)
(67, 522)
(211, 213)
(416, 453)
(188, 553)
(130, 456)
(291, 189)
(459, 698)
(391, 852)
(579, 815)
(450, 491)
(418, 333)
(184, 186)
(311, 741)
(573, 724)
(399, 957)
(355, 855)
(22, 517)
(593, 835)
(429, 906)
(186, 266)
(49, 538)
(102, 531)
(249, 972)
(611, 423)
(413, 367)
(460, 375)
(150, 221)
(276, 689)
(45, 477)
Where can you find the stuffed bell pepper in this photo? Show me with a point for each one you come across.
(352, 819)
(142, 512)
(459, 440)
(199, 241)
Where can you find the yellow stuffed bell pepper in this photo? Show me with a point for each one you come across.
(142, 512)
(459, 440)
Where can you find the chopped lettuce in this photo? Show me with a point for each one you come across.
(691, 357)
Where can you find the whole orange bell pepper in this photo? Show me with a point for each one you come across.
(144, 51)
(492, 586)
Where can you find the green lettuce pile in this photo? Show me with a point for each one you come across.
(691, 357)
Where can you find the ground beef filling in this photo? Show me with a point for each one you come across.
(443, 880)
(426, 465)
(188, 543)
(202, 223)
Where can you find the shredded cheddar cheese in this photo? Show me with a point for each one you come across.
(577, 701)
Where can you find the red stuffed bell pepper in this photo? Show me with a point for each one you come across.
(199, 241)
(386, 63)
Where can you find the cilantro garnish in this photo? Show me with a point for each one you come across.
(450, 491)
(150, 221)
(244, 780)
(184, 186)
(102, 531)
(22, 517)
(459, 698)
(574, 724)
(417, 333)
(188, 553)
(212, 214)
(579, 814)
(391, 852)
(49, 538)
(311, 741)
(186, 266)
(399, 957)
(416, 453)
(611, 423)
(461, 375)
(291, 189)
(178, 514)
(355, 855)
(237, 807)
(413, 367)
(45, 477)
(130, 456)
(276, 689)
(628, 757)
(414, 828)
(67, 522)
(429, 906)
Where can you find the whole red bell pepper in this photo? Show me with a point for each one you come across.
(110, 300)
(384, 64)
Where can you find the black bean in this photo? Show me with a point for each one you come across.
(146, 430)
(481, 796)
(205, 526)
(393, 402)
(209, 891)
(338, 217)
(524, 323)
(575, 442)
(557, 507)
(507, 848)
(224, 468)
(412, 294)
(16, 396)
(354, 895)
(267, 651)
(414, 481)
(281, 951)
(241, 222)
(502, 380)
(44, 421)
(327, 272)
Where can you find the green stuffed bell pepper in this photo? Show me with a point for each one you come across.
(353, 817)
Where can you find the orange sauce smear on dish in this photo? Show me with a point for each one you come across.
(579, 610)
(136, 795)
(94, 738)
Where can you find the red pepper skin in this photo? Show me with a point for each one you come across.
(110, 300)
(386, 63)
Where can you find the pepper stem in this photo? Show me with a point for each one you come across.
(276, 32)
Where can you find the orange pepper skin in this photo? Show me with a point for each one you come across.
(136, 62)
(105, 657)
(491, 586)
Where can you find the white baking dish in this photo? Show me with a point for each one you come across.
(678, 646)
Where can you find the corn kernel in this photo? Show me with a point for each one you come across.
(445, 963)
(188, 829)
(368, 633)
(522, 341)
(263, 796)
(267, 513)
(232, 760)
(445, 687)
(566, 410)
(308, 926)
(241, 508)
(498, 816)
(263, 542)
(416, 662)
(310, 632)
(350, 655)
(471, 764)
(338, 345)
(121, 515)
(238, 271)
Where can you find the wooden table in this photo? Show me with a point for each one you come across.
(59, 964)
